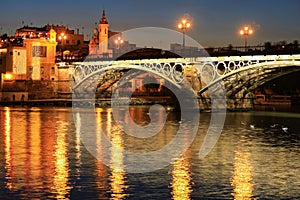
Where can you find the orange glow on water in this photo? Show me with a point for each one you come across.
(242, 181)
(181, 179)
(8, 157)
(61, 164)
(117, 158)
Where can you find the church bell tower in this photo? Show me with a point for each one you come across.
(103, 33)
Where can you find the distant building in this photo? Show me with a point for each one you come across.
(42, 32)
(31, 32)
(105, 44)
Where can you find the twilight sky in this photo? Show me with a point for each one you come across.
(214, 22)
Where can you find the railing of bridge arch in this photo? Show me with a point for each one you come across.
(170, 69)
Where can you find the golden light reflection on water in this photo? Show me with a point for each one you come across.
(106, 124)
(34, 160)
(101, 171)
(61, 164)
(117, 158)
(181, 179)
(242, 179)
(8, 160)
(78, 148)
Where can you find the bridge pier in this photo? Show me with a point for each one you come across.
(239, 104)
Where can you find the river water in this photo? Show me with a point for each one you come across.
(42, 157)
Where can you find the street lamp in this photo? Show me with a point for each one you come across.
(183, 25)
(246, 31)
(119, 41)
(61, 38)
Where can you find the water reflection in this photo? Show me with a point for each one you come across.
(78, 148)
(34, 141)
(117, 167)
(36, 159)
(61, 163)
(181, 179)
(242, 178)
(117, 176)
(8, 156)
(42, 157)
(101, 170)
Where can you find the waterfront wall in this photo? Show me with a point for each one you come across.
(34, 90)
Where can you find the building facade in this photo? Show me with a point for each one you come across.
(22, 67)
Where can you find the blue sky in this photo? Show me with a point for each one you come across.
(214, 22)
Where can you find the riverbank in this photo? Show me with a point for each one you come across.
(104, 102)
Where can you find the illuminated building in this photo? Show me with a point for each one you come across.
(98, 45)
(74, 38)
(103, 43)
(34, 60)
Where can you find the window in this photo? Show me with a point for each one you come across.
(30, 70)
(18, 53)
(11, 53)
(52, 70)
(78, 41)
(52, 79)
(39, 51)
(42, 70)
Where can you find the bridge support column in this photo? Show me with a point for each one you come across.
(240, 102)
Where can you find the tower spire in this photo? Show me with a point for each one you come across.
(103, 19)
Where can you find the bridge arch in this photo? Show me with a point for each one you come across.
(170, 70)
(252, 76)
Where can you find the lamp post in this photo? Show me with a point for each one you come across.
(183, 25)
(62, 37)
(246, 31)
(119, 41)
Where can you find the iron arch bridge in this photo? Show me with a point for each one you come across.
(238, 74)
